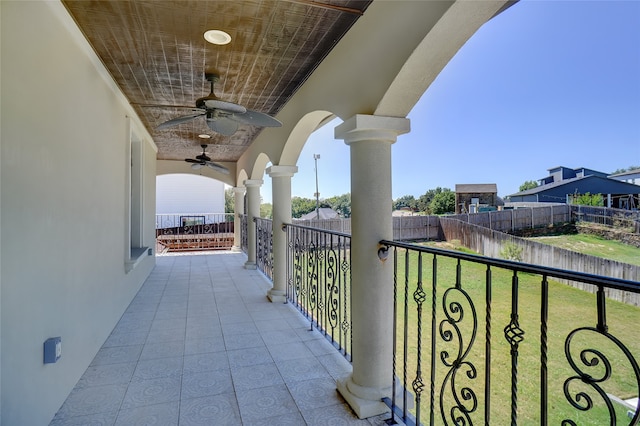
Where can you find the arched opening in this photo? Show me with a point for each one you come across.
(190, 214)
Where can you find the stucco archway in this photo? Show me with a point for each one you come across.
(300, 134)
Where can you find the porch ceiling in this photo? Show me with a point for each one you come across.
(157, 55)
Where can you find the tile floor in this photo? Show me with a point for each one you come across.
(201, 345)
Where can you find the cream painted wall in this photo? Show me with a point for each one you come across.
(63, 193)
(188, 193)
(0, 227)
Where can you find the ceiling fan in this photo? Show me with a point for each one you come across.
(204, 160)
(222, 117)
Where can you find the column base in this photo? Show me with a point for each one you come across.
(365, 402)
(277, 296)
(250, 265)
(236, 249)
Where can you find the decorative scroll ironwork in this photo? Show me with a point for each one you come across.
(264, 246)
(419, 297)
(297, 296)
(593, 368)
(312, 279)
(461, 400)
(244, 235)
(345, 289)
(544, 347)
(514, 335)
(202, 231)
(318, 269)
(434, 308)
(487, 345)
(332, 287)
(319, 281)
(597, 362)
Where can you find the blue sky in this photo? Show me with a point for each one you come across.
(544, 84)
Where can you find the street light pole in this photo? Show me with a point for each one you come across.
(316, 157)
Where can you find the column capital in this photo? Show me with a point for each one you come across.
(282, 171)
(372, 127)
(239, 189)
(253, 183)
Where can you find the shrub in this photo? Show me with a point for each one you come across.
(511, 251)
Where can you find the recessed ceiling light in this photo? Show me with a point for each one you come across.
(217, 37)
(204, 136)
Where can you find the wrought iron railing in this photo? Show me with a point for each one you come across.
(264, 246)
(319, 281)
(179, 220)
(194, 231)
(488, 341)
(244, 236)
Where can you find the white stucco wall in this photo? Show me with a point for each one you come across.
(181, 193)
(64, 189)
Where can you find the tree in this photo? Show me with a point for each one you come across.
(406, 201)
(229, 201)
(301, 206)
(443, 202)
(511, 251)
(587, 199)
(628, 169)
(341, 204)
(424, 202)
(529, 184)
(266, 211)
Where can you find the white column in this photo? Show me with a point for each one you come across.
(253, 211)
(370, 139)
(281, 193)
(238, 208)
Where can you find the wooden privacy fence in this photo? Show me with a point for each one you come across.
(408, 228)
(490, 243)
(405, 228)
(337, 225)
(411, 228)
(628, 220)
(419, 227)
(521, 218)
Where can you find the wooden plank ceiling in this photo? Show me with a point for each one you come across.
(157, 55)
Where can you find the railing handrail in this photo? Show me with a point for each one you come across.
(310, 228)
(194, 214)
(172, 220)
(610, 282)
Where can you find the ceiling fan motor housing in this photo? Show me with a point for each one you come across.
(222, 116)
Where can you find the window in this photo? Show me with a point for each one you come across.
(135, 249)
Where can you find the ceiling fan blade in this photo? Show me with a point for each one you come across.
(164, 106)
(256, 118)
(191, 160)
(178, 120)
(224, 125)
(217, 167)
(223, 105)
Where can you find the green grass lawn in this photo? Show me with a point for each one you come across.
(594, 246)
(569, 309)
